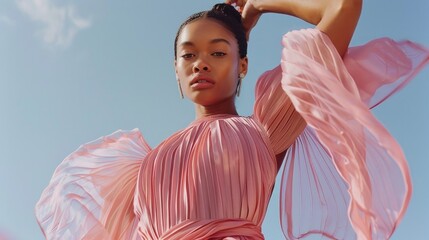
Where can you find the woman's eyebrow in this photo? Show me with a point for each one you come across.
(215, 40)
(187, 43)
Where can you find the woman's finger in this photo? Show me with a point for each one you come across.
(238, 3)
(250, 17)
(241, 3)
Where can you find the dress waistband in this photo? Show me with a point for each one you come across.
(214, 229)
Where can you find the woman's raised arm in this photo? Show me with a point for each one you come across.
(336, 18)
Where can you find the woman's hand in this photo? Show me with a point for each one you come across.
(238, 3)
(249, 13)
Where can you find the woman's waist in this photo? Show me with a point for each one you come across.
(213, 229)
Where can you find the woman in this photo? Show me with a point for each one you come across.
(345, 177)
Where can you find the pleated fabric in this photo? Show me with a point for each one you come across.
(210, 181)
(345, 177)
(90, 195)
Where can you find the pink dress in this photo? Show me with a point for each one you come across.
(345, 176)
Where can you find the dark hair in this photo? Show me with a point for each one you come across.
(229, 17)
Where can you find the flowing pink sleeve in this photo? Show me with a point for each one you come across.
(274, 110)
(345, 176)
(382, 67)
(90, 195)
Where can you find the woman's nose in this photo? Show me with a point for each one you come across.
(201, 65)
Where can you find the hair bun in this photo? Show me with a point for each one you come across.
(227, 10)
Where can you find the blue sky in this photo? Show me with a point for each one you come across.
(72, 71)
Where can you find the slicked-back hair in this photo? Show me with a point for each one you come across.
(226, 15)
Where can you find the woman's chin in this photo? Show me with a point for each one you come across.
(208, 100)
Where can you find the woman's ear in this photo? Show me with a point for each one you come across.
(244, 62)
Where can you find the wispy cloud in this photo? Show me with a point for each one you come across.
(7, 20)
(60, 24)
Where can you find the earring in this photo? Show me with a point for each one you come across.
(237, 93)
(240, 77)
(180, 89)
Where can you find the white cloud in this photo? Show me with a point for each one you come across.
(7, 20)
(60, 24)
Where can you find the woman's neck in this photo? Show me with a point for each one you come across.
(226, 107)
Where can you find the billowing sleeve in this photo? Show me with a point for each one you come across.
(275, 112)
(90, 195)
(345, 176)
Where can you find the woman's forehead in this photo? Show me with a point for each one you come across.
(205, 29)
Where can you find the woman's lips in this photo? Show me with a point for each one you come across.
(202, 84)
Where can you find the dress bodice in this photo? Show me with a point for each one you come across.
(219, 167)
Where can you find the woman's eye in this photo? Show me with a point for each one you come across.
(219, 54)
(187, 55)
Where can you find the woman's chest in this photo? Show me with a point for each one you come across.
(211, 158)
(214, 169)
(223, 146)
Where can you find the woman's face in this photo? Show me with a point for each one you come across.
(208, 64)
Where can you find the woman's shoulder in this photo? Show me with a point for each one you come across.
(125, 142)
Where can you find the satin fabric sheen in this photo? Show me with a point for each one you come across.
(345, 176)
